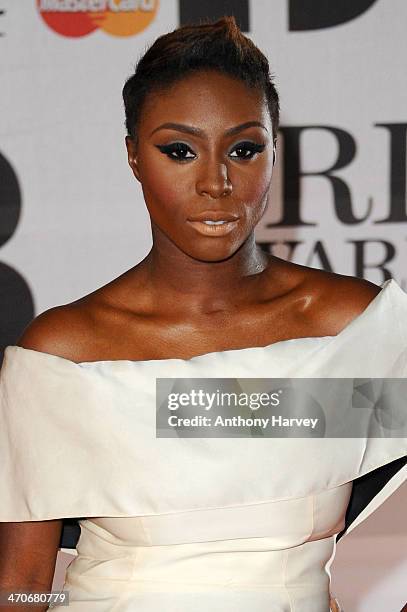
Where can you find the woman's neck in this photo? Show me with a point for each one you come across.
(201, 285)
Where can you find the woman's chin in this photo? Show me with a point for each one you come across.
(213, 254)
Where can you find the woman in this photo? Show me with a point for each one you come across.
(192, 524)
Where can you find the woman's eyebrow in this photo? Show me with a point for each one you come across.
(188, 129)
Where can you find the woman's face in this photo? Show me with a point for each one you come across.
(204, 153)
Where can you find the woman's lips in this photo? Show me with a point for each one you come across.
(214, 230)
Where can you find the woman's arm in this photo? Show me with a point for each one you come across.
(28, 553)
(28, 550)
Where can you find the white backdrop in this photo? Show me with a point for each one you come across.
(72, 216)
(62, 132)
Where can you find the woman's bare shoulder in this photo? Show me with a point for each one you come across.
(337, 299)
(84, 329)
(61, 331)
(326, 302)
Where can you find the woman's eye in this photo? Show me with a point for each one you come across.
(177, 150)
(246, 150)
(180, 151)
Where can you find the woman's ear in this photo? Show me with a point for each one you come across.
(132, 158)
(274, 152)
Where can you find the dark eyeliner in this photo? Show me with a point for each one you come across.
(175, 147)
(249, 145)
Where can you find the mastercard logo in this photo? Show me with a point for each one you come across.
(75, 18)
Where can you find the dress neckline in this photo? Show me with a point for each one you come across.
(386, 285)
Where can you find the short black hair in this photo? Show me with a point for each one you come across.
(218, 45)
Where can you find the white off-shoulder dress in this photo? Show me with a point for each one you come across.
(196, 524)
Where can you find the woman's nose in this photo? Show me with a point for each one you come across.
(213, 181)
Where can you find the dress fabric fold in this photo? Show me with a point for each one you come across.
(180, 523)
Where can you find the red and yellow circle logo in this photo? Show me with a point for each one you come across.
(76, 18)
